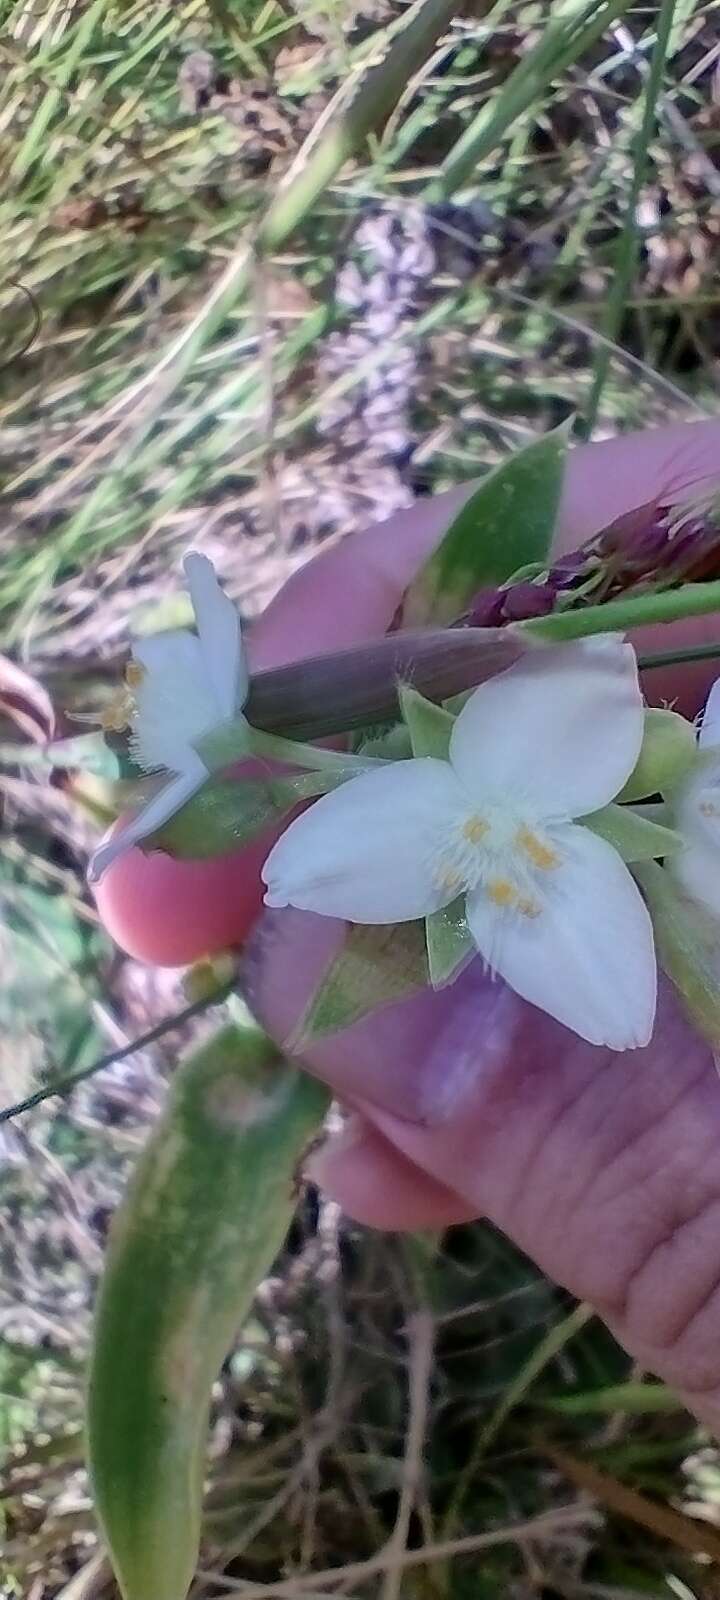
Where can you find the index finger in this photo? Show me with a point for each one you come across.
(170, 912)
(350, 592)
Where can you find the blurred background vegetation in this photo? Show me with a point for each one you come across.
(528, 231)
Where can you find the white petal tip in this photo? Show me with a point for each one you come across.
(632, 1037)
(195, 561)
(103, 858)
(275, 899)
(635, 1042)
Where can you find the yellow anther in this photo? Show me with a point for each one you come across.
(540, 854)
(502, 892)
(117, 714)
(709, 808)
(475, 829)
(134, 674)
(529, 908)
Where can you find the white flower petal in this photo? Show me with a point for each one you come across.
(588, 957)
(697, 866)
(560, 730)
(159, 810)
(218, 626)
(709, 736)
(369, 850)
(175, 700)
(697, 869)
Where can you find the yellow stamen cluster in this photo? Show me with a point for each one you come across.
(499, 856)
(539, 853)
(119, 712)
(475, 829)
(504, 894)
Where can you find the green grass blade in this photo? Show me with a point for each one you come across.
(571, 30)
(626, 254)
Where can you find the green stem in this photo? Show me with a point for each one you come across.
(311, 756)
(626, 252)
(570, 31)
(617, 616)
(545, 1352)
(64, 1085)
(677, 658)
(236, 741)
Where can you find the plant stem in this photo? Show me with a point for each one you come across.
(626, 252)
(677, 658)
(65, 1084)
(617, 616)
(546, 1351)
(311, 756)
(564, 38)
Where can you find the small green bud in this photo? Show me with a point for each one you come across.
(668, 752)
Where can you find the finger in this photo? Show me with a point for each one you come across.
(604, 1168)
(170, 912)
(346, 595)
(378, 1187)
(351, 591)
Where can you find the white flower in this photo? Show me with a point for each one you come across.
(550, 905)
(697, 818)
(183, 685)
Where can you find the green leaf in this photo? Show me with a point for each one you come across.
(449, 943)
(375, 968)
(205, 1215)
(508, 522)
(687, 939)
(634, 837)
(637, 1399)
(429, 725)
(668, 751)
(227, 813)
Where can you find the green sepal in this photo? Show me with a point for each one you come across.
(667, 753)
(429, 725)
(687, 939)
(228, 813)
(450, 944)
(376, 967)
(634, 837)
(505, 525)
(391, 743)
(205, 1214)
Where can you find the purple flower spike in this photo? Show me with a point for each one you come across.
(487, 609)
(527, 599)
(572, 568)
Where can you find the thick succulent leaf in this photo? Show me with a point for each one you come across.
(376, 967)
(634, 837)
(688, 946)
(429, 725)
(449, 941)
(666, 754)
(204, 1217)
(505, 525)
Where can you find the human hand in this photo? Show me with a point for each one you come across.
(467, 1102)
